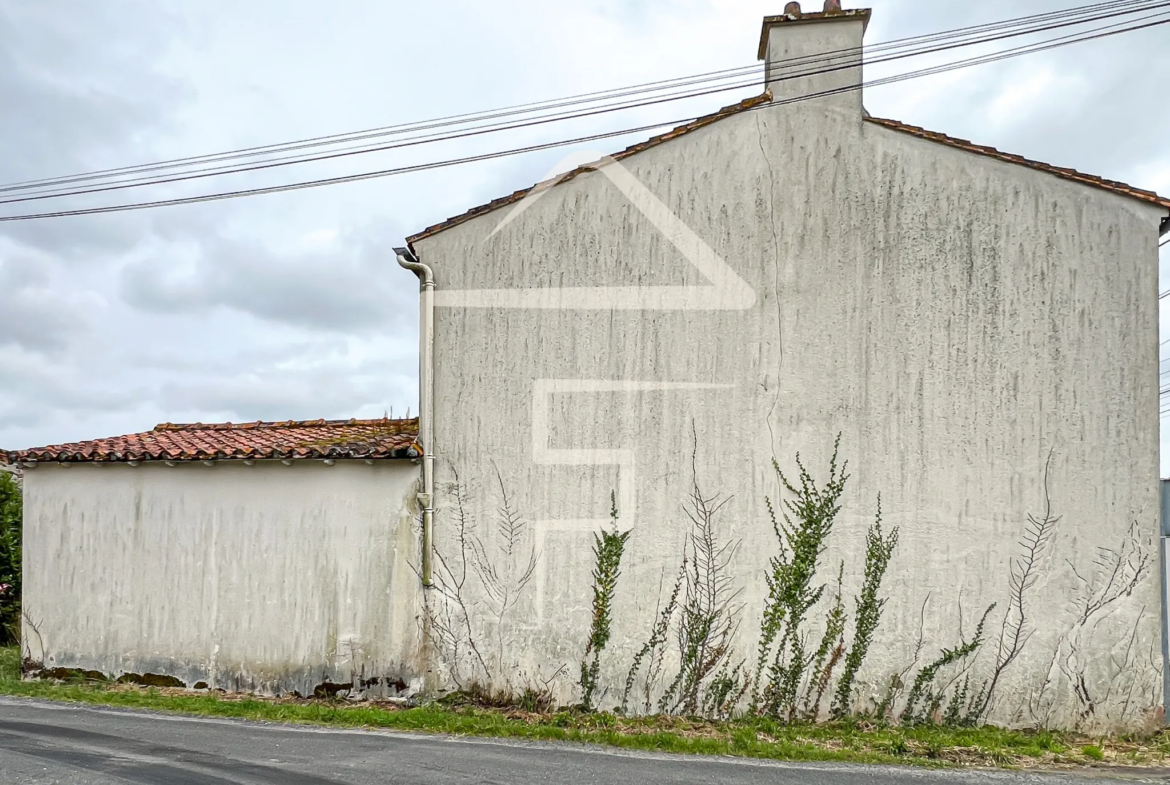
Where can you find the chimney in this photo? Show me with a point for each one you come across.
(807, 54)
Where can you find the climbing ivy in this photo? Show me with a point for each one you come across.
(607, 554)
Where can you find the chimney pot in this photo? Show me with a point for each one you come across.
(792, 9)
(832, 6)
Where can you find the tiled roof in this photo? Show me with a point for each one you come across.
(1059, 171)
(293, 439)
(654, 141)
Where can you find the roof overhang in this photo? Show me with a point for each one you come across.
(286, 441)
(1149, 197)
(745, 105)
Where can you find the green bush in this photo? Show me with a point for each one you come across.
(10, 519)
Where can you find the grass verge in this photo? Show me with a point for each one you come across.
(856, 742)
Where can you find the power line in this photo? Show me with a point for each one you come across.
(499, 127)
(1097, 8)
(1018, 51)
(1021, 26)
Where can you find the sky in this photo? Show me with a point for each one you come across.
(291, 306)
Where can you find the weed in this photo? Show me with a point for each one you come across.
(807, 522)
(535, 700)
(878, 550)
(654, 647)
(708, 619)
(725, 692)
(934, 748)
(1093, 752)
(999, 758)
(828, 653)
(923, 688)
(502, 566)
(607, 554)
(895, 745)
(447, 614)
(1024, 574)
(755, 737)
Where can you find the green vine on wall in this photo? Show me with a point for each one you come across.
(879, 548)
(607, 554)
(807, 522)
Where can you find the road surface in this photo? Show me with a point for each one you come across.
(42, 743)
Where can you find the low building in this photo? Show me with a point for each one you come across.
(269, 556)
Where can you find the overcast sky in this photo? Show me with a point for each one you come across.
(291, 305)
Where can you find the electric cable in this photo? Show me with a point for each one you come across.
(1022, 26)
(1018, 51)
(495, 128)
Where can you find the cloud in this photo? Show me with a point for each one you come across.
(79, 99)
(292, 306)
(352, 285)
(35, 317)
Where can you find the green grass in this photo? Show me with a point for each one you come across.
(9, 664)
(756, 738)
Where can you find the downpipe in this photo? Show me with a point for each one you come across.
(1164, 535)
(426, 402)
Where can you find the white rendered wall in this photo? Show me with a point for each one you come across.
(268, 577)
(962, 322)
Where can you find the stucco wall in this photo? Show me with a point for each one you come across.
(967, 326)
(266, 577)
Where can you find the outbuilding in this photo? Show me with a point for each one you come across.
(268, 556)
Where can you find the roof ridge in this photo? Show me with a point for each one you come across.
(286, 440)
(258, 424)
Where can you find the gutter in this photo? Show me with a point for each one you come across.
(426, 401)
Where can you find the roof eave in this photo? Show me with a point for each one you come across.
(1064, 173)
(16, 459)
(654, 141)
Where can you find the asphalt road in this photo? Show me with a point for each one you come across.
(43, 743)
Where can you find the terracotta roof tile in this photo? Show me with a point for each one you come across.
(654, 141)
(1059, 171)
(295, 439)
